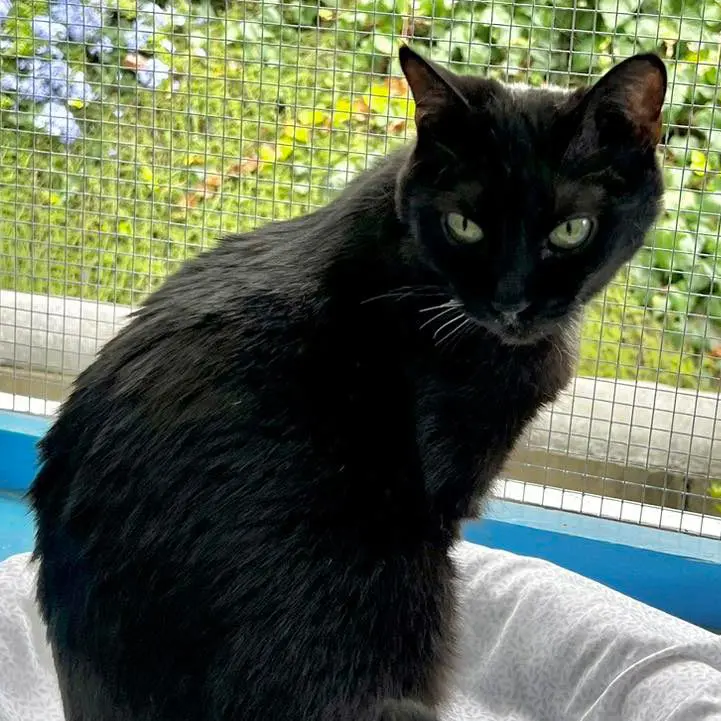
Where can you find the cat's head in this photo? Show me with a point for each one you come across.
(526, 202)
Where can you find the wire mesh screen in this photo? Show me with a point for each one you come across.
(133, 135)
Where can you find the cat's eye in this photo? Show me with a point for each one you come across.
(463, 230)
(571, 233)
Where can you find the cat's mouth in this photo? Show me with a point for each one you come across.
(457, 317)
(523, 328)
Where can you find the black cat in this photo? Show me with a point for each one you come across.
(246, 506)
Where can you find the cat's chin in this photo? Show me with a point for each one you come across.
(521, 335)
(519, 339)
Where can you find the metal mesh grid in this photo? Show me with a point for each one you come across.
(132, 135)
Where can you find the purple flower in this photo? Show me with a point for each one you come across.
(34, 89)
(30, 65)
(53, 80)
(153, 74)
(57, 121)
(8, 82)
(138, 37)
(57, 74)
(79, 90)
(46, 29)
(102, 49)
(52, 50)
(84, 23)
(155, 16)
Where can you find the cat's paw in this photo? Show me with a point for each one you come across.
(405, 711)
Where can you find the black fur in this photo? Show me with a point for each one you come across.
(246, 505)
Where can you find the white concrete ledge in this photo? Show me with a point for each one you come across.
(52, 334)
(637, 425)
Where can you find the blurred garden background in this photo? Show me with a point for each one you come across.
(134, 134)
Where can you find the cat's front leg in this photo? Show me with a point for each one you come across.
(463, 440)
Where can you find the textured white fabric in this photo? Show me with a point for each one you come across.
(538, 644)
(28, 687)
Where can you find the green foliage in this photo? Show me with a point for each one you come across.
(17, 33)
(715, 491)
(620, 340)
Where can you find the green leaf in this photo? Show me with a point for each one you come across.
(714, 307)
(700, 277)
(648, 29)
(616, 12)
(383, 44)
(699, 162)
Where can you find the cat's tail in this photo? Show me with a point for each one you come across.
(404, 711)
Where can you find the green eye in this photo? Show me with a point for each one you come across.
(571, 233)
(462, 229)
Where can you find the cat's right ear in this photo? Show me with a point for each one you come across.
(433, 88)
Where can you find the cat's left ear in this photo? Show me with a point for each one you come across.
(433, 88)
(635, 90)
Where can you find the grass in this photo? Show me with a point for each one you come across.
(108, 218)
(621, 340)
(252, 131)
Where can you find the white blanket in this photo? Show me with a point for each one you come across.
(538, 644)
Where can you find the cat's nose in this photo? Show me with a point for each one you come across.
(509, 311)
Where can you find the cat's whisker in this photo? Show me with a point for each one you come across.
(453, 303)
(437, 316)
(406, 292)
(457, 332)
(452, 332)
(455, 319)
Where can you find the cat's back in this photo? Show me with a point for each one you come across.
(228, 345)
(243, 299)
(185, 373)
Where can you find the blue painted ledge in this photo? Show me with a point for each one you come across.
(675, 572)
(16, 531)
(19, 434)
(678, 573)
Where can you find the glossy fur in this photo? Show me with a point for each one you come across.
(246, 505)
